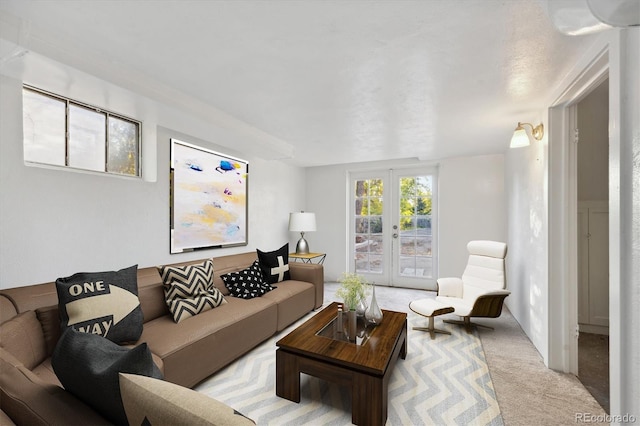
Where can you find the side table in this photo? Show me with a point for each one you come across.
(308, 257)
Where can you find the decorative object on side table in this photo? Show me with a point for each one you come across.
(373, 314)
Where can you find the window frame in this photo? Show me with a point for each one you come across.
(108, 114)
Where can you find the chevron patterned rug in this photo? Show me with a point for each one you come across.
(444, 381)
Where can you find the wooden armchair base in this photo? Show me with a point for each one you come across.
(489, 306)
(466, 321)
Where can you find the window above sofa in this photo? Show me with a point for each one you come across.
(62, 132)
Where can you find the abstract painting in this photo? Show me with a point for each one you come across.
(209, 194)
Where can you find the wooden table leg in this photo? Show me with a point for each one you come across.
(287, 376)
(403, 336)
(369, 396)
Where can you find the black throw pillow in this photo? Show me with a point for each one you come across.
(275, 264)
(248, 283)
(88, 366)
(102, 303)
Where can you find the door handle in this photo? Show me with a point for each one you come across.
(395, 235)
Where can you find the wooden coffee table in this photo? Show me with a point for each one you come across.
(365, 366)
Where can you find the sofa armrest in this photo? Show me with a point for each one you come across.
(5, 420)
(312, 273)
(27, 399)
(450, 287)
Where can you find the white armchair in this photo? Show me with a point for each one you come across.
(481, 290)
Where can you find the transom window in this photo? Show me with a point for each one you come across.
(66, 133)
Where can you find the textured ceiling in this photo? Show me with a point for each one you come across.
(329, 81)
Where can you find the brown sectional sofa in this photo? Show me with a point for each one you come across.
(186, 352)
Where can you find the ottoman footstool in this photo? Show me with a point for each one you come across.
(430, 308)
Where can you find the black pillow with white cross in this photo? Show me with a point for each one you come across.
(248, 283)
(275, 264)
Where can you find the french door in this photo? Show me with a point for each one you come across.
(393, 223)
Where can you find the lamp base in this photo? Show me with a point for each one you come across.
(302, 247)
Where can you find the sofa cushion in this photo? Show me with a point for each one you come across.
(22, 337)
(294, 300)
(156, 402)
(275, 264)
(45, 372)
(189, 289)
(151, 294)
(50, 322)
(102, 303)
(195, 349)
(247, 283)
(88, 366)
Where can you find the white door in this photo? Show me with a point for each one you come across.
(393, 227)
(369, 242)
(593, 266)
(414, 231)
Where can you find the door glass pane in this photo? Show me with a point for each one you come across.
(415, 258)
(87, 135)
(123, 147)
(43, 123)
(375, 264)
(368, 244)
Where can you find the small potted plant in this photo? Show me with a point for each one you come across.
(352, 290)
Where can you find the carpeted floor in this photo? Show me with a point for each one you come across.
(526, 391)
(593, 366)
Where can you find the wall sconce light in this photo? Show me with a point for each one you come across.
(520, 137)
(302, 222)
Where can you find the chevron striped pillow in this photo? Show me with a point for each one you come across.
(189, 289)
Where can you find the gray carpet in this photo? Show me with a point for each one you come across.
(527, 391)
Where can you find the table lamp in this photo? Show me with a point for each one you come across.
(302, 222)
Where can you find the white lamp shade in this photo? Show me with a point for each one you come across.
(302, 222)
(519, 139)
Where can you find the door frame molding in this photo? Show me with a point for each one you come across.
(563, 210)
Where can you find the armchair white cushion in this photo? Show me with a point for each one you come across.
(481, 290)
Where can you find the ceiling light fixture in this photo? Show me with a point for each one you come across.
(520, 137)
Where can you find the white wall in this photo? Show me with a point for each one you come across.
(527, 267)
(54, 223)
(545, 311)
(593, 148)
(471, 206)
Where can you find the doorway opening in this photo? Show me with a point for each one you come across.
(592, 166)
